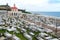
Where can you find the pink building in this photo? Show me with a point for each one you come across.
(14, 11)
(14, 8)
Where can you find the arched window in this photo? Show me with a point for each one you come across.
(12, 13)
(16, 13)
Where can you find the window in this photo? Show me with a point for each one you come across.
(12, 13)
(16, 13)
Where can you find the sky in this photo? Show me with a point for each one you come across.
(35, 5)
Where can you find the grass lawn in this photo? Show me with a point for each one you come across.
(20, 35)
(2, 30)
(33, 37)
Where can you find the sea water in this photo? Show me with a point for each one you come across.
(56, 14)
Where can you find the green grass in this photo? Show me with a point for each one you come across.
(33, 37)
(36, 32)
(21, 36)
(2, 30)
(11, 32)
(28, 30)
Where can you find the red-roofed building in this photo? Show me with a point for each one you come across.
(14, 11)
(14, 8)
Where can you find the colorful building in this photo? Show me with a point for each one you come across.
(11, 11)
(14, 11)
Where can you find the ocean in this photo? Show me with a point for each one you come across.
(56, 14)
